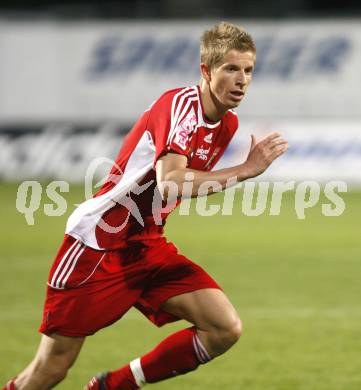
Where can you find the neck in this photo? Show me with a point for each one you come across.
(213, 109)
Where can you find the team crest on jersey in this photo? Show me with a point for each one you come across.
(208, 138)
(184, 129)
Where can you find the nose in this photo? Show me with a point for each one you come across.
(241, 79)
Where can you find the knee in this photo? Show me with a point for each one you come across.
(232, 332)
(223, 338)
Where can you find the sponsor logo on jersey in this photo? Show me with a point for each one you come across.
(208, 138)
(184, 129)
(202, 153)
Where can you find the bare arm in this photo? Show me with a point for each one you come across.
(173, 167)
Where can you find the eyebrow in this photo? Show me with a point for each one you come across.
(230, 65)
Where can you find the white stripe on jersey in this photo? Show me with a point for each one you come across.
(185, 102)
(180, 104)
(185, 111)
(177, 104)
(175, 117)
(183, 115)
(175, 97)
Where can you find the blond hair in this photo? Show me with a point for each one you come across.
(219, 40)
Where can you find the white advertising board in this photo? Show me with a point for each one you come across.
(95, 72)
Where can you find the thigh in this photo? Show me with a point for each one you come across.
(172, 275)
(207, 309)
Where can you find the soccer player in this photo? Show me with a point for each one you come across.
(114, 255)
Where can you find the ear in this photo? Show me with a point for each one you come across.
(205, 72)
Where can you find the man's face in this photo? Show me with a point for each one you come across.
(229, 81)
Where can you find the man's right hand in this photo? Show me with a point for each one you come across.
(263, 153)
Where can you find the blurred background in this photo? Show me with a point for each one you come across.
(74, 77)
(82, 72)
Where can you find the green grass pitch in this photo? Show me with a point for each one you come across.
(295, 283)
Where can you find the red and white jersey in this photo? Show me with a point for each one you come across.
(127, 208)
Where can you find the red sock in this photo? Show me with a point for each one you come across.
(121, 379)
(10, 385)
(178, 354)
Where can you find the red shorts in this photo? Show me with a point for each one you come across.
(90, 289)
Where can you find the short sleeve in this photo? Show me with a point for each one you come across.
(171, 126)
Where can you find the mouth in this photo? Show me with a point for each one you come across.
(237, 94)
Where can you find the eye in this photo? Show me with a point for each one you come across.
(249, 70)
(231, 68)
